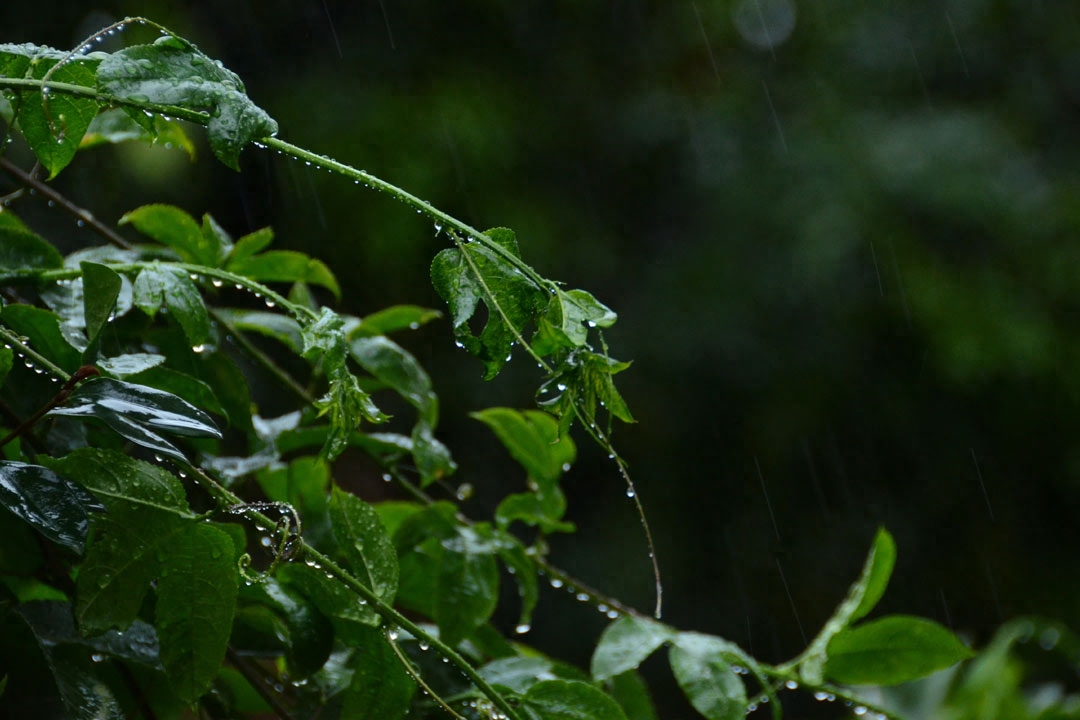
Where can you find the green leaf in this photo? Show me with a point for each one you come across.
(53, 623)
(700, 665)
(250, 244)
(396, 368)
(892, 650)
(570, 700)
(517, 673)
(310, 635)
(22, 250)
(468, 583)
(581, 383)
(172, 71)
(54, 123)
(119, 125)
(56, 507)
(539, 510)
(380, 687)
(113, 476)
(392, 319)
(138, 413)
(101, 288)
(174, 228)
(191, 389)
(532, 437)
(368, 550)
(285, 266)
(569, 316)
(123, 366)
(335, 601)
(632, 694)
(432, 458)
(460, 276)
(861, 598)
(173, 288)
(7, 361)
(625, 644)
(514, 556)
(194, 612)
(43, 330)
(282, 328)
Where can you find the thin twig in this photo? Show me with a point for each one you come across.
(255, 678)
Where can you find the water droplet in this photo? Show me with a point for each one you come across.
(194, 276)
(238, 286)
(612, 614)
(414, 326)
(566, 467)
(270, 303)
(80, 223)
(464, 491)
(791, 685)
(820, 696)
(602, 608)
(387, 477)
(265, 541)
(630, 492)
(556, 583)
(522, 628)
(216, 283)
(393, 633)
(1049, 638)
(158, 458)
(97, 657)
(859, 710)
(198, 348)
(582, 597)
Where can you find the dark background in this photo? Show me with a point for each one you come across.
(841, 237)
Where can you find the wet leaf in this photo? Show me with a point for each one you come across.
(392, 319)
(138, 413)
(120, 125)
(396, 368)
(54, 123)
(174, 289)
(367, 547)
(172, 71)
(194, 613)
(113, 476)
(468, 583)
(570, 700)
(56, 507)
(22, 250)
(892, 650)
(335, 601)
(280, 327)
(285, 266)
(701, 666)
(182, 385)
(250, 244)
(625, 644)
(174, 228)
(53, 623)
(45, 334)
(101, 288)
(532, 438)
(632, 694)
(514, 556)
(123, 366)
(861, 598)
(380, 687)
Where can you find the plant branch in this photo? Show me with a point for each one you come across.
(255, 679)
(407, 664)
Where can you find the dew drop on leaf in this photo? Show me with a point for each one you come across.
(522, 628)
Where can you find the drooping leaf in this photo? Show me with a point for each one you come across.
(182, 385)
(45, 334)
(120, 125)
(380, 687)
(138, 413)
(53, 622)
(56, 507)
(892, 650)
(367, 547)
(392, 319)
(570, 700)
(22, 250)
(101, 288)
(701, 666)
(517, 673)
(472, 273)
(398, 369)
(194, 612)
(517, 560)
(861, 598)
(468, 583)
(174, 228)
(280, 327)
(566, 322)
(285, 266)
(172, 71)
(625, 644)
(173, 288)
(582, 383)
(532, 438)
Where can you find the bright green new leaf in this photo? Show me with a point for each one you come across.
(22, 250)
(569, 316)
(380, 687)
(101, 288)
(861, 599)
(544, 511)
(632, 694)
(126, 124)
(46, 336)
(156, 286)
(392, 319)
(172, 71)
(468, 583)
(367, 547)
(517, 673)
(280, 327)
(56, 507)
(285, 266)
(701, 665)
(532, 438)
(138, 413)
(196, 597)
(892, 650)
(570, 700)
(625, 644)
(174, 228)
(250, 244)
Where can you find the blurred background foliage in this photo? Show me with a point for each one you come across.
(841, 237)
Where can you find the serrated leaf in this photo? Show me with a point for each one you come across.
(701, 666)
(46, 336)
(173, 288)
(174, 228)
(625, 644)
(172, 71)
(468, 583)
(22, 250)
(285, 266)
(380, 687)
(367, 547)
(460, 276)
(892, 650)
(54, 123)
(56, 507)
(101, 288)
(392, 319)
(194, 612)
(570, 700)
(569, 316)
(863, 594)
(138, 413)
